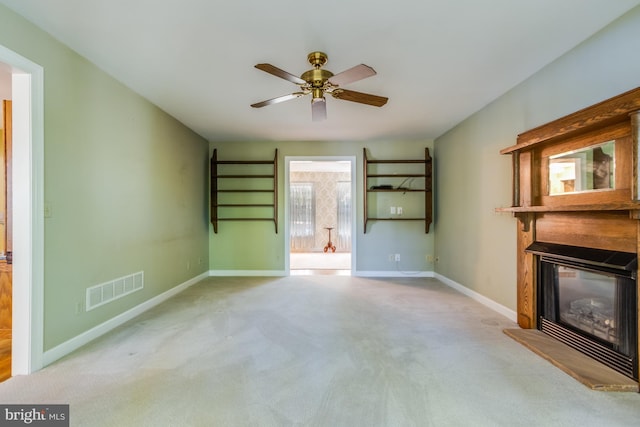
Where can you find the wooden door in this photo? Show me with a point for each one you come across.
(6, 291)
(7, 121)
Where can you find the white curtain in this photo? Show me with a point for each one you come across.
(344, 216)
(302, 216)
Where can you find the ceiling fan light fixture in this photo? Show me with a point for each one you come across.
(318, 109)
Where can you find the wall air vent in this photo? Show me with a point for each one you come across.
(114, 289)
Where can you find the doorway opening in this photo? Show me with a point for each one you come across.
(320, 215)
(27, 199)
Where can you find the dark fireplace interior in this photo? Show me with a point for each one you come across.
(587, 300)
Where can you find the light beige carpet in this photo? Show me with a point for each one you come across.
(317, 351)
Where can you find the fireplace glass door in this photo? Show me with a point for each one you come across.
(586, 301)
(592, 311)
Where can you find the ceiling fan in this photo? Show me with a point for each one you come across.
(319, 81)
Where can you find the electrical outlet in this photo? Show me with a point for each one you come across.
(78, 307)
(392, 257)
(397, 257)
(393, 210)
(399, 210)
(429, 258)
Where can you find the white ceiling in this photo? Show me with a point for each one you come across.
(438, 61)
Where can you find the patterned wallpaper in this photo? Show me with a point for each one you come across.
(325, 184)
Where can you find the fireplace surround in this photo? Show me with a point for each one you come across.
(576, 196)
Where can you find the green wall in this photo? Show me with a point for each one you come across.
(475, 245)
(240, 246)
(126, 185)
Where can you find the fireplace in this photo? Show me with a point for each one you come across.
(576, 196)
(587, 299)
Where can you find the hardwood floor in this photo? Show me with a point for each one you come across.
(5, 320)
(5, 354)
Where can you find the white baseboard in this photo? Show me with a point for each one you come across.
(394, 273)
(278, 273)
(78, 341)
(245, 273)
(501, 309)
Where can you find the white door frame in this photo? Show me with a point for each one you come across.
(27, 93)
(287, 235)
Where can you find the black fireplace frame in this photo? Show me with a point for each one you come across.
(622, 266)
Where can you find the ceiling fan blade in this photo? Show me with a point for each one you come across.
(268, 68)
(362, 98)
(318, 109)
(278, 99)
(351, 75)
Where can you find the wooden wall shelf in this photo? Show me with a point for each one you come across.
(405, 174)
(246, 184)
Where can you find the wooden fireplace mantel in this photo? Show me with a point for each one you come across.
(600, 219)
(610, 111)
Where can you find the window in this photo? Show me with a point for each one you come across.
(302, 215)
(344, 215)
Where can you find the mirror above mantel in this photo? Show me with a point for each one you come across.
(590, 168)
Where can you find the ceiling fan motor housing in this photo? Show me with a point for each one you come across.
(316, 77)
